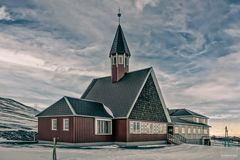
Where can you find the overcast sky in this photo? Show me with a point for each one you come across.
(52, 48)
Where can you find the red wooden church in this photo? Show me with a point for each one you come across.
(124, 107)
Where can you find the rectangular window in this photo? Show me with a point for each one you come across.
(189, 130)
(205, 131)
(197, 120)
(126, 61)
(176, 130)
(120, 59)
(103, 127)
(194, 130)
(139, 127)
(205, 121)
(114, 60)
(66, 124)
(54, 124)
(183, 130)
(199, 131)
(136, 127)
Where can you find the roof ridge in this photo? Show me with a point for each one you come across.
(188, 121)
(83, 99)
(69, 105)
(89, 88)
(190, 112)
(89, 100)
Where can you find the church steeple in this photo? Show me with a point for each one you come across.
(119, 54)
(119, 43)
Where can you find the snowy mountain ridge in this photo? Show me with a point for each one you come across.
(16, 116)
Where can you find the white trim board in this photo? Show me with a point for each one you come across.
(69, 105)
(139, 92)
(160, 96)
(151, 72)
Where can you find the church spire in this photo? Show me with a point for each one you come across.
(119, 44)
(119, 54)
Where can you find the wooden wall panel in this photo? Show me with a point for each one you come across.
(85, 131)
(82, 130)
(45, 132)
(120, 130)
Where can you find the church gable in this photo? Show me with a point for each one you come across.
(59, 108)
(148, 105)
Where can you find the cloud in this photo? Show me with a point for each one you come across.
(140, 4)
(4, 15)
(49, 49)
(20, 58)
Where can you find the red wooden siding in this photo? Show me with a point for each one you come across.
(122, 133)
(120, 130)
(82, 130)
(45, 131)
(85, 131)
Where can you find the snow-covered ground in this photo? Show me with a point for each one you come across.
(182, 152)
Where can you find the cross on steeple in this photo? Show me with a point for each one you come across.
(119, 15)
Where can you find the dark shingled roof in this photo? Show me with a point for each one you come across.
(179, 120)
(76, 106)
(58, 108)
(88, 108)
(119, 43)
(120, 96)
(184, 112)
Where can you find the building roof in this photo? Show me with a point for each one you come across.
(119, 44)
(75, 106)
(120, 96)
(183, 121)
(184, 112)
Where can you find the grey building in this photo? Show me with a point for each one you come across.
(189, 126)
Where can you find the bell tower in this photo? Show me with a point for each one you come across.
(119, 54)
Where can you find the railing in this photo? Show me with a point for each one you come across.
(173, 139)
(181, 138)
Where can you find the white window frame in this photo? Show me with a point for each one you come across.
(143, 127)
(120, 59)
(205, 131)
(135, 127)
(64, 124)
(199, 131)
(183, 130)
(197, 119)
(205, 121)
(176, 130)
(54, 124)
(104, 120)
(189, 130)
(194, 131)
